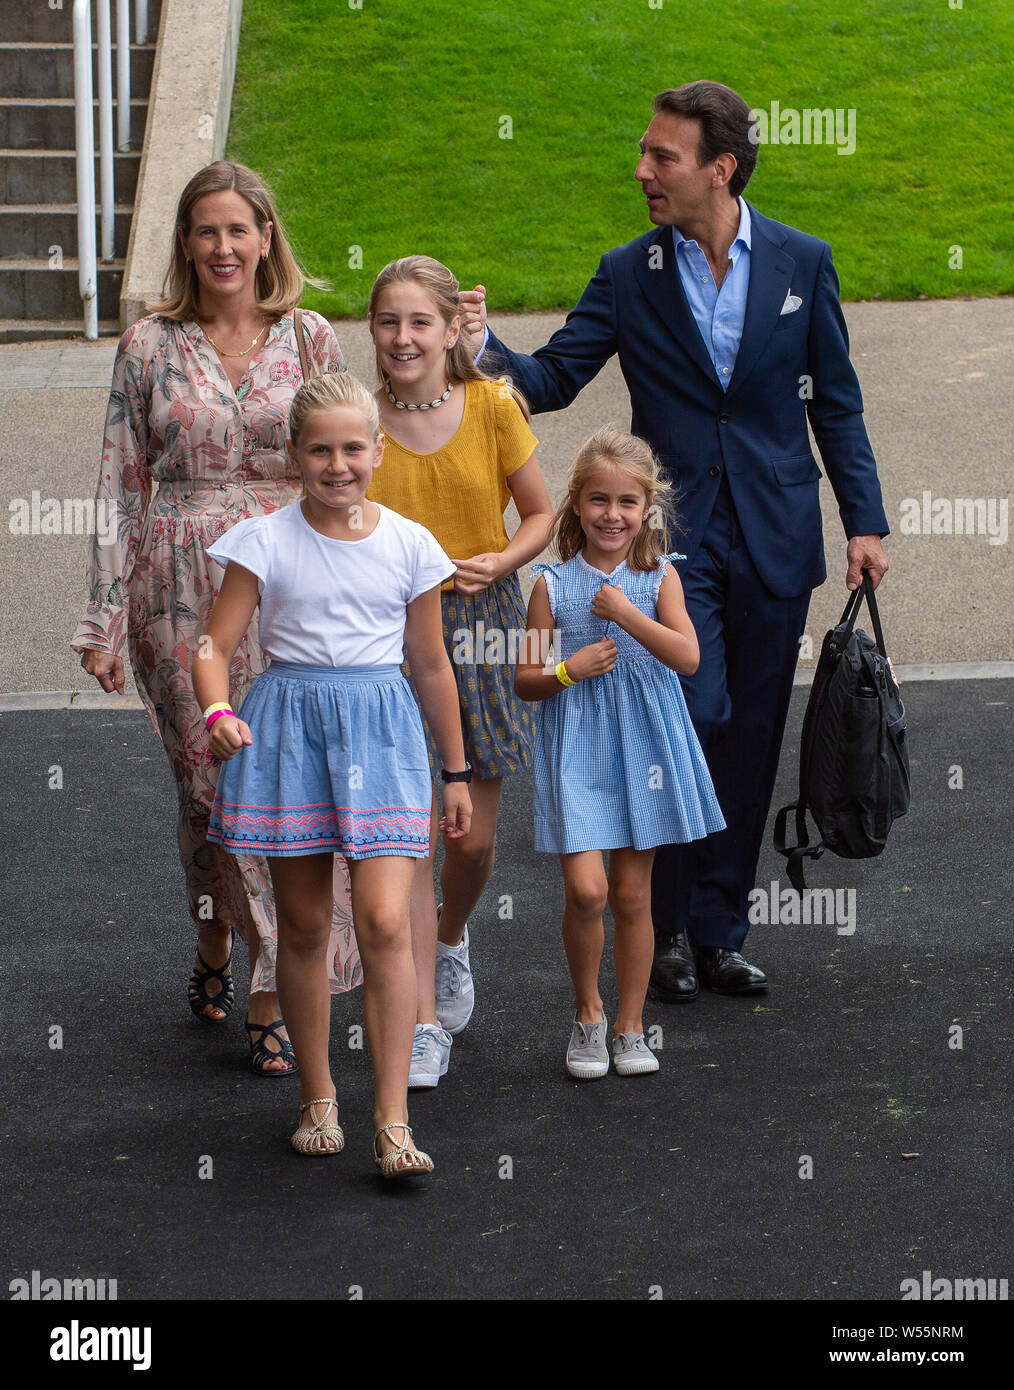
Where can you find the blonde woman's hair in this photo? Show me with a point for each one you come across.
(441, 286)
(631, 456)
(280, 279)
(328, 391)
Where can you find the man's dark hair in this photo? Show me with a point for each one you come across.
(725, 125)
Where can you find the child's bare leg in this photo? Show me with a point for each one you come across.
(584, 879)
(381, 889)
(423, 914)
(634, 938)
(468, 862)
(304, 902)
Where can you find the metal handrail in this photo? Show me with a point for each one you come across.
(123, 74)
(84, 138)
(84, 132)
(104, 53)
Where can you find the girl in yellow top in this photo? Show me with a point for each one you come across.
(459, 447)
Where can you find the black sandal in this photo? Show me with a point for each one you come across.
(259, 1053)
(197, 993)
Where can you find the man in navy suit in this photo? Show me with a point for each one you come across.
(729, 334)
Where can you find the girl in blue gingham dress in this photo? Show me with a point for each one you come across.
(618, 765)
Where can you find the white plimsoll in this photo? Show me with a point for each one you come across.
(587, 1054)
(431, 1052)
(632, 1056)
(455, 987)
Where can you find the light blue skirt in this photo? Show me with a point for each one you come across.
(338, 762)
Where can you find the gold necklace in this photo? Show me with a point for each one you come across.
(233, 354)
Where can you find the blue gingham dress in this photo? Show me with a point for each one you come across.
(617, 761)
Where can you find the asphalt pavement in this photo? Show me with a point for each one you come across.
(140, 1147)
(938, 387)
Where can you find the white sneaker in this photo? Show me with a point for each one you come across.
(587, 1054)
(455, 989)
(632, 1056)
(431, 1051)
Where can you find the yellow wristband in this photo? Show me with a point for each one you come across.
(561, 674)
(222, 704)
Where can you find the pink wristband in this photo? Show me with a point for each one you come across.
(218, 715)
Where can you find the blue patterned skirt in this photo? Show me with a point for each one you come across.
(483, 634)
(338, 762)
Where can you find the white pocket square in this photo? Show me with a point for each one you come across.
(792, 303)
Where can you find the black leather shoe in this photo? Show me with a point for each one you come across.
(726, 972)
(673, 973)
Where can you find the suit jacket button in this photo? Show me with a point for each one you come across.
(723, 419)
(714, 471)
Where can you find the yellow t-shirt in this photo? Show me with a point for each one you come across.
(460, 492)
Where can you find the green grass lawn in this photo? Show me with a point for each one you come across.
(380, 128)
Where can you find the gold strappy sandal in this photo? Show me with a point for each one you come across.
(401, 1161)
(315, 1142)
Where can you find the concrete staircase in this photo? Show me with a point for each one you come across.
(39, 295)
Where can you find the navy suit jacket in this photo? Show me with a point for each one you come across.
(789, 366)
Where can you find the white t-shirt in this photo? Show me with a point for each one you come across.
(328, 602)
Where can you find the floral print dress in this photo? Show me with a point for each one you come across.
(184, 457)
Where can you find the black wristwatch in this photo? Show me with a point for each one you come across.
(465, 776)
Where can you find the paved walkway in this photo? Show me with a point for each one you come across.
(937, 379)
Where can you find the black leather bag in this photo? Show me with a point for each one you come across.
(853, 758)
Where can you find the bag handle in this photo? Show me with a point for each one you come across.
(297, 320)
(871, 604)
(851, 611)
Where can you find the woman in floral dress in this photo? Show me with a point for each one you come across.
(194, 441)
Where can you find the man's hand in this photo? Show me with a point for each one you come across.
(107, 670)
(473, 315)
(865, 553)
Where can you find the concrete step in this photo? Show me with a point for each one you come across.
(30, 289)
(50, 176)
(32, 229)
(48, 122)
(35, 330)
(47, 70)
(33, 21)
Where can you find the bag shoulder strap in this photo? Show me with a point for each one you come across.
(297, 320)
(802, 849)
(871, 604)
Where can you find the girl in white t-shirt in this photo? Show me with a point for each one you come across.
(329, 754)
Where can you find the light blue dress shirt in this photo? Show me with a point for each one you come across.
(719, 312)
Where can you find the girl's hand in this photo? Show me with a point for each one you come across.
(472, 304)
(227, 736)
(476, 574)
(107, 670)
(597, 659)
(457, 817)
(610, 603)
